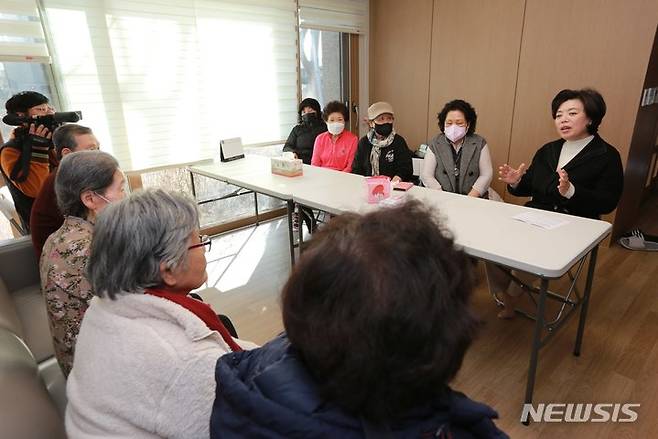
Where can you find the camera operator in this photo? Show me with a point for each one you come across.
(46, 217)
(24, 159)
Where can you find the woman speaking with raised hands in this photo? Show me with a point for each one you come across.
(579, 174)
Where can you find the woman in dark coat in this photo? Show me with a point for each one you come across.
(377, 323)
(309, 125)
(382, 151)
(579, 174)
(300, 142)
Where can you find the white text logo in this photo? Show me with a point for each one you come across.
(580, 412)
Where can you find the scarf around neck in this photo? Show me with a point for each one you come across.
(377, 146)
(201, 310)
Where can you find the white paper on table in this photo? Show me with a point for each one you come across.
(544, 221)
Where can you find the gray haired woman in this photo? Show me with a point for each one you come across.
(85, 184)
(155, 345)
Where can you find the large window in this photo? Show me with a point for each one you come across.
(24, 56)
(322, 65)
(161, 81)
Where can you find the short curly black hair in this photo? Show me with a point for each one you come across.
(459, 105)
(593, 103)
(335, 107)
(378, 308)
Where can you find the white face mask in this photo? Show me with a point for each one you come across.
(455, 133)
(335, 128)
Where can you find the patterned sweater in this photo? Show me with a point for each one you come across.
(65, 286)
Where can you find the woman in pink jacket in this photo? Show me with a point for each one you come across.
(336, 147)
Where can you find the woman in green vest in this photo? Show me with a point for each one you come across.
(458, 160)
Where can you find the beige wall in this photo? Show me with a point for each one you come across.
(509, 58)
(399, 62)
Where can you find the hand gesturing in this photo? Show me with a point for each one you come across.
(563, 185)
(510, 175)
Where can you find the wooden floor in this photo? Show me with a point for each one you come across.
(619, 361)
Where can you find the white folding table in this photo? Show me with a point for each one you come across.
(484, 229)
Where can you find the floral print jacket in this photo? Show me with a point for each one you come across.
(64, 284)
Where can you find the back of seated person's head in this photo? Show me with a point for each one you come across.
(85, 174)
(72, 137)
(378, 309)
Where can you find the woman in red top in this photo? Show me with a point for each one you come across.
(336, 147)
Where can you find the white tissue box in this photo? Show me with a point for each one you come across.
(287, 167)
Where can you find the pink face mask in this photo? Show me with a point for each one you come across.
(454, 132)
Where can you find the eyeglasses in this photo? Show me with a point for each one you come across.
(102, 197)
(205, 240)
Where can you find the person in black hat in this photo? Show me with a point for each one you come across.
(309, 125)
(301, 140)
(24, 159)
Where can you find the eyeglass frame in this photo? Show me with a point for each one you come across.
(205, 240)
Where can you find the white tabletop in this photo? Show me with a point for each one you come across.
(484, 229)
(252, 172)
(487, 230)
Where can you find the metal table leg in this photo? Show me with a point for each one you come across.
(300, 228)
(536, 342)
(290, 207)
(583, 307)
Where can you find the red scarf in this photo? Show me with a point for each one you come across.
(202, 311)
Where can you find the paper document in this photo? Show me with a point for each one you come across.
(540, 220)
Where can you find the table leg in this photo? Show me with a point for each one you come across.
(583, 308)
(290, 207)
(300, 228)
(536, 342)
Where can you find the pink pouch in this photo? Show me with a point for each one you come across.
(379, 188)
(402, 186)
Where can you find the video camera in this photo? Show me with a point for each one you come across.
(50, 121)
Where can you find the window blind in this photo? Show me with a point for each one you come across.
(161, 82)
(350, 16)
(21, 32)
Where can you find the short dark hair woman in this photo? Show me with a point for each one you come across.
(377, 319)
(579, 174)
(335, 148)
(458, 160)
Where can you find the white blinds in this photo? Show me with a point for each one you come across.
(349, 16)
(162, 81)
(21, 32)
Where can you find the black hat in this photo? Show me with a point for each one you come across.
(23, 101)
(309, 102)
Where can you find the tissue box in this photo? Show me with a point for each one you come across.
(379, 188)
(287, 167)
